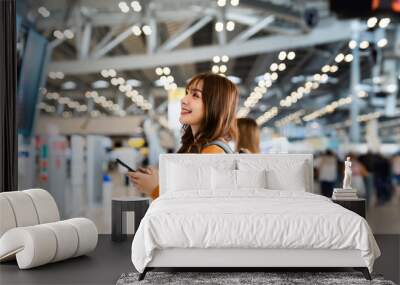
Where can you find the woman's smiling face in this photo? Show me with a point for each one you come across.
(192, 106)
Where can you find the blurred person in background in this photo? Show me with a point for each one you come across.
(249, 136)
(381, 169)
(383, 179)
(327, 172)
(396, 177)
(367, 160)
(359, 173)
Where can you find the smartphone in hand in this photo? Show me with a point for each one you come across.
(125, 165)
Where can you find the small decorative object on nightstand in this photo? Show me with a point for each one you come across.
(138, 205)
(356, 205)
(347, 174)
(345, 193)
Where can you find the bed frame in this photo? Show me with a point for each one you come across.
(246, 259)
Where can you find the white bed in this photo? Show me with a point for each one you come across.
(247, 211)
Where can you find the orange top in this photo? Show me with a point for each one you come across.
(207, 149)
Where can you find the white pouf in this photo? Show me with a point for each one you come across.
(31, 233)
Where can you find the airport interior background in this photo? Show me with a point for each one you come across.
(100, 80)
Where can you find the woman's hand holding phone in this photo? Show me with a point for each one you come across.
(145, 179)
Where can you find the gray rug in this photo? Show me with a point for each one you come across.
(228, 278)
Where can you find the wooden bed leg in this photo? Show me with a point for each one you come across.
(364, 271)
(142, 275)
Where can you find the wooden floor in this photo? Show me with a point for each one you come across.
(110, 260)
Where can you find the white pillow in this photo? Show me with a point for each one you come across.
(183, 177)
(282, 174)
(251, 178)
(295, 180)
(223, 179)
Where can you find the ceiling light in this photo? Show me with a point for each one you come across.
(59, 75)
(166, 70)
(325, 68)
(352, 44)
(219, 26)
(163, 79)
(362, 94)
(44, 12)
(223, 68)
(215, 69)
(234, 2)
(221, 3)
(225, 58)
(282, 66)
(300, 90)
(159, 71)
(308, 84)
(114, 81)
(274, 76)
(349, 57)
(391, 88)
(384, 22)
(291, 55)
(282, 55)
(216, 59)
(170, 79)
(68, 34)
(339, 57)
(266, 76)
(382, 42)
(317, 77)
(52, 75)
(230, 26)
(146, 30)
(334, 68)
(104, 73)
(364, 44)
(121, 80)
(58, 34)
(372, 22)
(123, 6)
(273, 67)
(324, 78)
(136, 30)
(112, 73)
(136, 6)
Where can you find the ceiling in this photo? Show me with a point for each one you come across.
(184, 38)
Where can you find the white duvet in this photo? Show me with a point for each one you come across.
(250, 219)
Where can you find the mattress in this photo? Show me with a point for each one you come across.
(250, 219)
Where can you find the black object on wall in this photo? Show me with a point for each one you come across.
(8, 89)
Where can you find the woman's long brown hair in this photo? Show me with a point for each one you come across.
(220, 99)
(249, 135)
